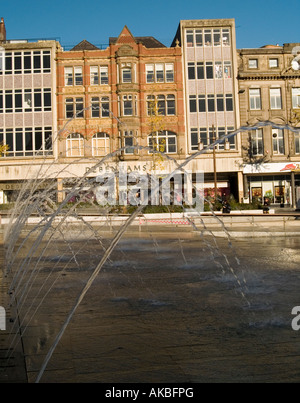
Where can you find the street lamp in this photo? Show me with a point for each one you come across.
(215, 163)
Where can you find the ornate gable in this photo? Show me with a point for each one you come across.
(125, 37)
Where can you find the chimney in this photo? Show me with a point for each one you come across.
(2, 31)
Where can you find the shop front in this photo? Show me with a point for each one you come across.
(272, 183)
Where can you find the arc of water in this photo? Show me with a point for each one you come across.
(118, 236)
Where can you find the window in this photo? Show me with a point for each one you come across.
(37, 61)
(95, 107)
(46, 61)
(103, 75)
(128, 144)
(189, 38)
(211, 102)
(25, 62)
(170, 105)
(163, 141)
(160, 73)
(100, 107)
(161, 105)
(278, 141)
(94, 74)
(256, 142)
(127, 105)
(220, 102)
(205, 136)
(73, 76)
(150, 73)
(128, 141)
(200, 71)
(26, 142)
(169, 72)
(25, 100)
(199, 37)
(68, 75)
(79, 107)
(209, 70)
(253, 63)
(37, 100)
(275, 98)
(78, 75)
(28, 62)
(207, 37)
(100, 144)
(226, 37)
(69, 108)
(104, 107)
(296, 98)
(75, 145)
(254, 97)
(297, 142)
(191, 71)
(126, 75)
(218, 70)
(229, 102)
(8, 63)
(193, 103)
(212, 70)
(74, 108)
(201, 103)
(273, 63)
(217, 37)
(17, 62)
(227, 69)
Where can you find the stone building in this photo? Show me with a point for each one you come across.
(269, 90)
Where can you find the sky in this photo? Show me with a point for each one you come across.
(258, 22)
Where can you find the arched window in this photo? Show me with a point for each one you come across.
(101, 144)
(75, 145)
(163, 141)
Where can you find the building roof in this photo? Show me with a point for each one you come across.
(85, 45)
(147, 41)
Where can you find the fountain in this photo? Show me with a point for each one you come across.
(52, 269)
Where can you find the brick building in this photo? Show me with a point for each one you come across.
(129, 94)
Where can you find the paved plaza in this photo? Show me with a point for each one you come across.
(169, 305)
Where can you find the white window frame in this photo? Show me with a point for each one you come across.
(275, 98)
(296, 98)
(75, 145)
(94, 75)
(166, 139)
(257, 142)
(278, 141)
(100, 144)
(254, 99)
(104, 75)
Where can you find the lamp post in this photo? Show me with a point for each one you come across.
(215, 164)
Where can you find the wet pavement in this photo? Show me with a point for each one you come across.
(167, 306)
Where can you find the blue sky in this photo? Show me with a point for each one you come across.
(258, 22)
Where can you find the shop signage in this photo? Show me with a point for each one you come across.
(273, 167)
